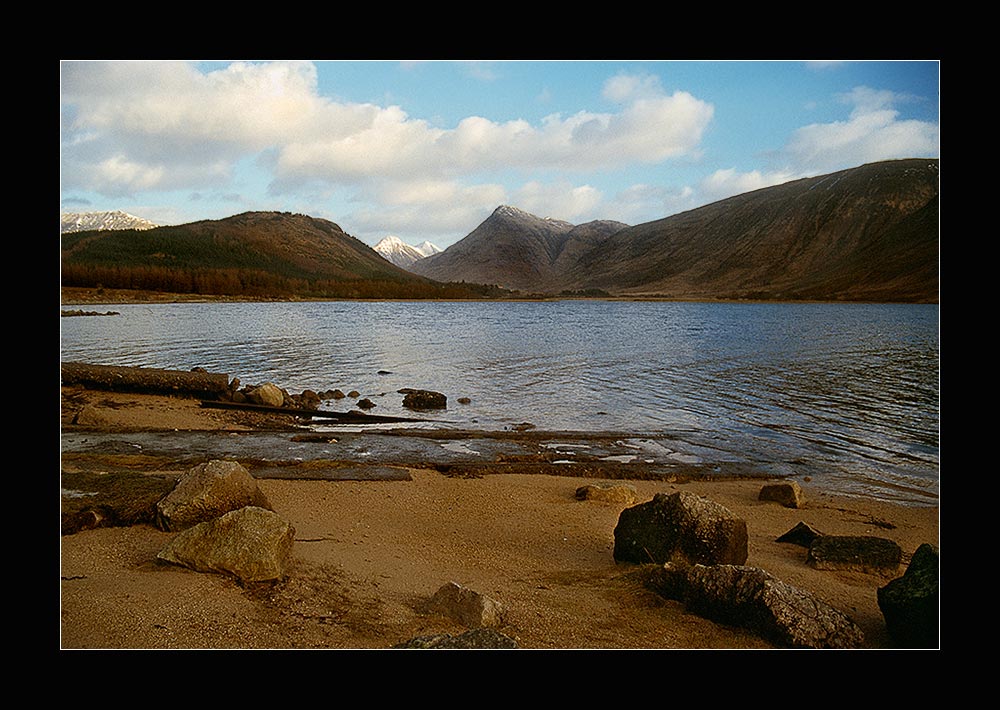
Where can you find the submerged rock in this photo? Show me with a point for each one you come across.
(424, 399)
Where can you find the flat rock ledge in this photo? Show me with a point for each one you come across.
(855, 553)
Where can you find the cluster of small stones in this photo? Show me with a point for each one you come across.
(273, 396)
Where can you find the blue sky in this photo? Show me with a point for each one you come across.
(426, 150)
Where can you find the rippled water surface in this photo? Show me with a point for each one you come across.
(846, 393)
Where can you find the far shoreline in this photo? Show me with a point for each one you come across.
(90, 296)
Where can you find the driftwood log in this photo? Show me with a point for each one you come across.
(145, 379)
(341, 417)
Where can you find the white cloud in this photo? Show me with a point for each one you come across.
(560, 200)
(874, 131)
(165, 119)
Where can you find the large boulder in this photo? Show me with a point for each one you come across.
(207, 491)
(268, 394)
(680, 527)
(910, 604)
(751, 598)
(251, 544)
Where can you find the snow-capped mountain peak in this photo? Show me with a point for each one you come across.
(402, 254)
(116, 219)
(427, 249)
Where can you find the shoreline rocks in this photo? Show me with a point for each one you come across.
(680, 527)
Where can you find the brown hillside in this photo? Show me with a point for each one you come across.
(869, 233)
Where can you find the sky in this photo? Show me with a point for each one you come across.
(426, 150)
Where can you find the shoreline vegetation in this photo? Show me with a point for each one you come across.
(74, 296)
(369, 556)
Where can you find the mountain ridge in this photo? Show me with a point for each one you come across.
(272, 254)
(865, 233)
(511, 248)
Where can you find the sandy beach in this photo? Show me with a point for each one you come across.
(369, 554)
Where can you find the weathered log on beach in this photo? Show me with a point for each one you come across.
(145, 379)
(340, 417)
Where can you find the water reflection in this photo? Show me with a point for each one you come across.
(844, 391)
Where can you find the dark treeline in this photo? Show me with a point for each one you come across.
(260, 284)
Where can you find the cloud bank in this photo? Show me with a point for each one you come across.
(137, 127)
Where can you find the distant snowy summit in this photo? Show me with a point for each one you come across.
(86, 221)
(402, 254)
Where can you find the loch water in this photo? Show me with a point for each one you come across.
(846, 394)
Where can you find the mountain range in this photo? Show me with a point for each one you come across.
(868, 233)
(402, 254)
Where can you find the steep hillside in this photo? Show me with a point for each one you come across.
(251, 253)
(512, 248)
(869, 233)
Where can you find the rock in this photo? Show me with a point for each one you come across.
(910, 604)
(337, 394)
(207, 491)
(251, 544)
(855, 553)
(424, 399)
(267, 394)
(680, 527)
(474, 638)
(366, 404)
(621, 494)
(466, 606)
(751, 598)
(91, 416)
(353, 394)
(789, 494)
(308, 400)
(802, 535)
(464, 400)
